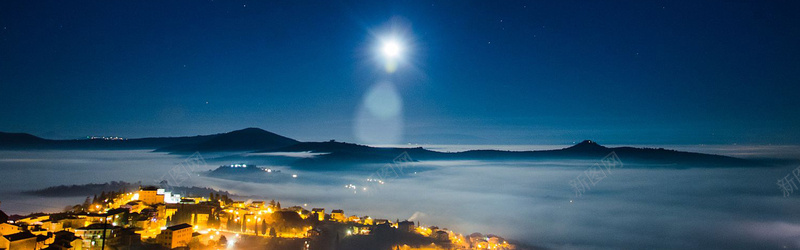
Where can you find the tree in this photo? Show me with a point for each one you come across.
(223, 240)
(87, 202)
(125, 219)
(226, 199)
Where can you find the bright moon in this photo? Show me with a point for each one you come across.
(391, 49)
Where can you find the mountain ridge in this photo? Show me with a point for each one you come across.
(248, 139)
(260, 141)
(339, 153)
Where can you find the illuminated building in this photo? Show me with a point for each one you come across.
(18, 241)
(194, 214)
(151, 195)
(117, 216)
(337, 215)
(175, 236)
(441, 235)
(64, 240)
(406, 226)
(36, 219)
(6, 229)
(319, 212)
(257, 204)
(366, 220)
(238, 204)
(311, 233)
(93, 237)
(363, 229)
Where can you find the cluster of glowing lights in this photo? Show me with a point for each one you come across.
(484, 242)
(375, 180)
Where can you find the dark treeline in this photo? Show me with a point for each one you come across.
(115, 187)
(85, 189)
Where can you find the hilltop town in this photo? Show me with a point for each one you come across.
(154, 218)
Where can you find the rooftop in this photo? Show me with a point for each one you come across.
(116, 211)
(99, 226)
(179, 227)
(19, 236)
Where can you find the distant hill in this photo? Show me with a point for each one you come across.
(28, 141)
(340, 154)
(19, 139)
(249, 139)
(121, 186)
(249, 173)
(346, 153)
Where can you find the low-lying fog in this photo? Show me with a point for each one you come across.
(636, 207)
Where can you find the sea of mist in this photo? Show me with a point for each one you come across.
(638, 206)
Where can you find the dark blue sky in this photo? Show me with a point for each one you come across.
(656, 72)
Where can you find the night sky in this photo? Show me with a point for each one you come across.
(618, 72)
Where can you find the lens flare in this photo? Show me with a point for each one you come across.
(380, 118)
(391, 52)
(391, 48)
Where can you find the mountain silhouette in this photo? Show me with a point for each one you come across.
(344, 154)
(19, 139)
(587, 146)
(341, 154)
(248, 139)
